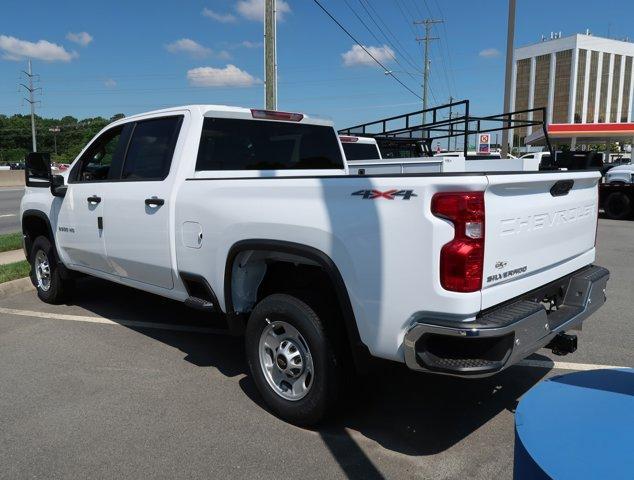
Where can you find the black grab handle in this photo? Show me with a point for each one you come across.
(94, 199)
(154, 202)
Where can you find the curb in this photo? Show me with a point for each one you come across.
(12, 256)
(14, 287)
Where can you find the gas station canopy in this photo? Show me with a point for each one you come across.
(579, 133)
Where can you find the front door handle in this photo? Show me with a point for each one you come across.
(154, 202)
(94, 199)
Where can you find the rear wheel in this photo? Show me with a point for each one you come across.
(45, 272)
(291, 360)
(618, 206)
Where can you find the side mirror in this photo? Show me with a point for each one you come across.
(58, 189)
(37, 170)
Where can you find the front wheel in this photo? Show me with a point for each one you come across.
(291, 360)
(45, 274)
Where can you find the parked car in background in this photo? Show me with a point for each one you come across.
(536, 160)
(360, 148)
(621, 174)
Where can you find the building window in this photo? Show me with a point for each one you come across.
(562, 86)
(616, 88)
(581, 83)
(627, 79)
(542, 81)
(592, 86)
(603, 96)
(522, 86)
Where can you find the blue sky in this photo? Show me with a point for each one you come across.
(102, 58)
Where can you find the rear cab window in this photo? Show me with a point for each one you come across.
(361, 151)
(150, 151)
(241, 144)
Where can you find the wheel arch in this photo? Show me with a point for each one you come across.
(314, 256)
(34, 224)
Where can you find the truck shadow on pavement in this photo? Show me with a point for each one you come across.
(410, 413)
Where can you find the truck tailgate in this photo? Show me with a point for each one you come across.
(539, 227)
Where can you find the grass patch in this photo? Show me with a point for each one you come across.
(13, 271)
(10, 241)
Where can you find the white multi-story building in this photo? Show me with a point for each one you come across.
(579, 79)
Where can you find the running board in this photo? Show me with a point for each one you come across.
(200, 304)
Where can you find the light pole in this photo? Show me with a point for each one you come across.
(510, 41)
(55, 131)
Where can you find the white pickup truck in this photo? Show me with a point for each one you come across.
(253, 215)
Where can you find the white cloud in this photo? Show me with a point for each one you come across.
(357, 56)
(254, 9)
(81, 38)
(219, 17)
(15, 49)
(223, 55)
(110, 83)
(489, 53)
(230, 76)
(188, 46)
(250, 44)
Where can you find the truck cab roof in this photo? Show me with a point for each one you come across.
(227, 111)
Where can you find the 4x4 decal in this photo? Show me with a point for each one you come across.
(388, 194)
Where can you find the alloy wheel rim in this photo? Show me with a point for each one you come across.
(42, 271)
(286, 361)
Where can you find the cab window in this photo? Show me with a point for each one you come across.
(149, 155)
(99, 162)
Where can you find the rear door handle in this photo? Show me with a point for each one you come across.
(94, 199)
(154, 202)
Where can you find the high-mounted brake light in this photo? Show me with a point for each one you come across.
(348, 139)
(462, 259)
(275, 115)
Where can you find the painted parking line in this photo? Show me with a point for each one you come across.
(187, 328)
(8, 215)
(564, 365)
(105, 321)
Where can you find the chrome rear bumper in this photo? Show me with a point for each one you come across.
(504, 335)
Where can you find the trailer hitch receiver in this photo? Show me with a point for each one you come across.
(563, 344)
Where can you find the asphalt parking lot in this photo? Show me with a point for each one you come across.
(123, 384)
(9, 207)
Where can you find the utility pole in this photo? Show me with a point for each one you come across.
(428, 23)
(450, 117)
(270, 55)
(510, 42)
(31, 100)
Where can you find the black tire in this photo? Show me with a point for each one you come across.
(618, 206)
(326, 382)
(58, 288)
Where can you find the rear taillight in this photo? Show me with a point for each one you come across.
(275, 115)
(462, 259)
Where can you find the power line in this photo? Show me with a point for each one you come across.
(401, 8)
(375, 36)
(385, 69)
(444, 42)
(403, 52)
